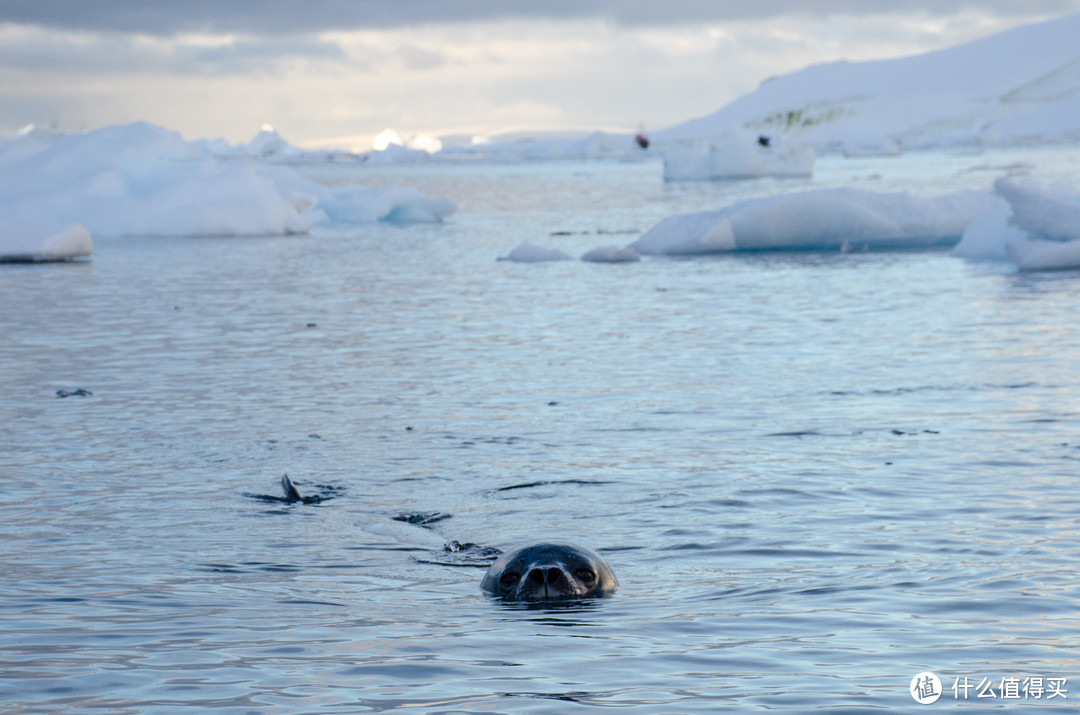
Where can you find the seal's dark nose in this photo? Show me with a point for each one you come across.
(539, 576)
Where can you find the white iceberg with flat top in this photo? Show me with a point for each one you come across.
(819, 220)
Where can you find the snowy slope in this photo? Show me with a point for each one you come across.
(1019, 85)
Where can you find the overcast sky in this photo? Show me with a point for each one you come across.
(343, 70)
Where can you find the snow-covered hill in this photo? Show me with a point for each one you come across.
(1018, 86)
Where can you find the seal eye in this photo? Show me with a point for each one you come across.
(509, 579)
(586, 575)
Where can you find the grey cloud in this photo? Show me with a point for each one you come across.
(255, 55)
(417, 58)
(116, 54)
(287, 17)
(113, 53)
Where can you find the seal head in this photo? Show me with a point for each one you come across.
(549, 572)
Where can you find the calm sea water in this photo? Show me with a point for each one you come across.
(815, 475)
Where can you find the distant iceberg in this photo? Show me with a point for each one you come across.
(389, 138)
(737, 155)
(532, 253)
(269, 143)
(143, 180)
(43, 243)
(542, 147)
(842, 219)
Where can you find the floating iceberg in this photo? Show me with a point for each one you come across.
(417, 142)
(391, 147)
(141, 179)
(1051, 213)
(819, 220)
(531, 253)
(268, 143)
(1039, 255)
(986, 235)
(40, 243)
(1041, 228)
(737, 155)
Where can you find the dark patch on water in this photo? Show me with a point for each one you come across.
(423, 518)
(729, 503)
(304, 602)
(896, 391)
(249, 566)
(467, 442)
(544, 483)
(73, 393)
(220, 568)
(571, 697)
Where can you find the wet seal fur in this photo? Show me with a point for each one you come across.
(549, 572)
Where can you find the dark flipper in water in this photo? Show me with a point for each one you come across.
(291, 493)
(293, 496)
(424, 518)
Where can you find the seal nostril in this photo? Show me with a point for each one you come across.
(549, 572)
